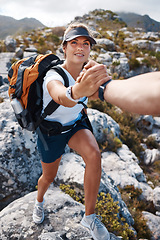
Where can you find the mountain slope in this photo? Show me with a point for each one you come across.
(11, 26)
(136, 20)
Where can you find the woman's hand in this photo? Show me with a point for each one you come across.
(90, 79)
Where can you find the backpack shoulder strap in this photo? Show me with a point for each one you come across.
(61, 72)
(52, 105)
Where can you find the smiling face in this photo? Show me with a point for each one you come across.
(77, 50)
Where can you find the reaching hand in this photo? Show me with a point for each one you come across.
(90, 79)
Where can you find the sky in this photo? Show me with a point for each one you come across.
(61, 12)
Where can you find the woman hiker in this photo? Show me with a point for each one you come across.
(77, 44)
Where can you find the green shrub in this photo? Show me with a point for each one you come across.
(1, 99)
(108, 210)
(132, 139)
(152, 173)
(41, 41)
(147, 62)
(131, 196)
(110, 143)
(13, 60)
(134, 63)
(68, 189)
(116, 63)
(54, 38)
(151, 142)
(158, 56)
(129, 134)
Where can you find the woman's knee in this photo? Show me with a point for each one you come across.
(93, 157)
(47, 179)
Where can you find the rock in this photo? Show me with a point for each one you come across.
(1, 81)
(151, 35)
(20, 165)
(108, 43)
(156, 46)
(62, 219)
(145, 122)
(151, 155)
(123, 168)
(101, 121)
(10, 44)
(153, 223)
(156, 198)
(121, 67)
(19, 53)
(143, 44)
(104, 58)
(5, 64)
(31, 49)
(157, 121)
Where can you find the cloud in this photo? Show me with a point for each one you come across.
(61, 12)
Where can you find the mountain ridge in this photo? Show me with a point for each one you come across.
(11, 26)
(140, 21)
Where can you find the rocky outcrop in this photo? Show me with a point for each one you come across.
(156, 199)
(109, 45)
(19, 158)
(62, 219)
(153, 224)
(123, 168)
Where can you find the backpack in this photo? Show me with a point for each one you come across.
(26, 92)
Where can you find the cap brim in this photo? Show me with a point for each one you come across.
(91, 40)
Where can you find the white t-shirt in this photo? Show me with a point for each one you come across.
(64, 115)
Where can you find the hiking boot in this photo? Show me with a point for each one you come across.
(38, 213)
(96, 227)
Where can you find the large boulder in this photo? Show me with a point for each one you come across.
(151, 155)
(153, 223)
(123, 168)
(10, 44)
(109, 45)
(143, 44)
(62, 219)
(5, 64)
(20, 165)
(101, 121)
(156, 198)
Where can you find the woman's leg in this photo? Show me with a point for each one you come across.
(84, 143)
(49, 171)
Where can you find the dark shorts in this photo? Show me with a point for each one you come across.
(56, 144)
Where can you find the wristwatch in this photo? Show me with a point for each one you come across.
(69, 94)
(101, 90)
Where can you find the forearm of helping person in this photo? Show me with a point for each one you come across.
(139, 94)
